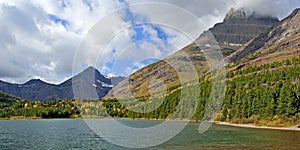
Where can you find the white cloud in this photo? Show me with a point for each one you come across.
(275, 8)
(32, 45)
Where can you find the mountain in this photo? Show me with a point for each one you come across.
(33, 90)
(9, 99)
(262, 85)
(89, 78)
(236, 30)
(36, 89)
(276, 44)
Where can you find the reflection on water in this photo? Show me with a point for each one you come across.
(75, 134)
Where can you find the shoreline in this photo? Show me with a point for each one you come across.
(90, 117)
(252, 126)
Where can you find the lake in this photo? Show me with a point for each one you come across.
(75, 134)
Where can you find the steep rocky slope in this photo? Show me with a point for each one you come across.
(278, 43)
(236, 29)
(239, 28)
(262, 85)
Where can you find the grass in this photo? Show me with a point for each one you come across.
(276, 121)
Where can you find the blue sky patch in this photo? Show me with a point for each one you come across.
(142, 30)
(140, 34)
(160, 33)
(58, 20)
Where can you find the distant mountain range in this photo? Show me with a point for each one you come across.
(36, 89)
(233, 33)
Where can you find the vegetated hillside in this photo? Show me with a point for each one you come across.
(36, 89)
(236, 29)
(9, 99)
(263, 86)
(264, 83)
(268, 98)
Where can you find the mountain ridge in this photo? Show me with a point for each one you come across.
(238, 28)
(262, 86)
(36, 89)
(230, 35)
(283, 36)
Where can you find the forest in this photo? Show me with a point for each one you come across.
(36, 109)
(264, 95)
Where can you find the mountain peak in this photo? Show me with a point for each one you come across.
(296, 12)
(244, 14)
(90, 72)
(240, 13)
(90, 69)
(239, 27)
(282, 38)
(34, 81)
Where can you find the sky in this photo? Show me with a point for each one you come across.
(46, 39)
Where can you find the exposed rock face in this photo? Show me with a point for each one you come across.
(237, 29)
(284, 38)
(38, 90)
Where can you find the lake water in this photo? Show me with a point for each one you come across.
(75, 134)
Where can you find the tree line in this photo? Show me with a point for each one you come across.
(271, 97)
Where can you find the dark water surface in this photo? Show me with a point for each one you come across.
(75, 134)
